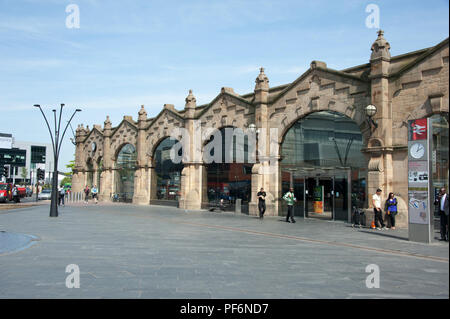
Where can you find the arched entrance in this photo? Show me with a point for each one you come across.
(124, 174)
(167, 173)
(323, 162)
(99, 172)
(229, 178)
(90, 173)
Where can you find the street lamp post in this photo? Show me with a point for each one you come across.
(56, 144)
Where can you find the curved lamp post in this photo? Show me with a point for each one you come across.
(56, 144)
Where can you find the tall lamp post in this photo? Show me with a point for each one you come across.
(56, 143)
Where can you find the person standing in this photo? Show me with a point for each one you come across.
(376, 202)
(95, 193)
(391, 209)
(261, 202)
(15, 194)
(289, 197)
(62, 194)
(86, 194)
(442, 202)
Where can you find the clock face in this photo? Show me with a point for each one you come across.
(417, 150)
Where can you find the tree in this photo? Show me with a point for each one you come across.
(24, 174)
(71, 166)
(66, 180)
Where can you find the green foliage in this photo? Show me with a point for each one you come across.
(66, 180)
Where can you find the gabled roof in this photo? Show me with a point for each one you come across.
(423, 54)
(313, 70)
(93, 129)
(165, 109)
(206, 107)
(125, 120)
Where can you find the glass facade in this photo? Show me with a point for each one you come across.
(38, 154)
(168, 173)
(124, 173)
(230, 181)
(90, 174)
(99, 172)
(322, 151)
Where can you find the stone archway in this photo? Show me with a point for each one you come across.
(324, 149)
(228, 178)
(166, 183)
(124, 172)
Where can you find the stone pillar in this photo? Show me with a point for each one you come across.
(79, 171)
(142, 177)
(380, 143)
(107, 173)
(193, 175)
(265, 172)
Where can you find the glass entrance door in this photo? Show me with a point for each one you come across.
(319, 194)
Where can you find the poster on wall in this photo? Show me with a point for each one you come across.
(418, 174)
(418, 207)
(318, 199)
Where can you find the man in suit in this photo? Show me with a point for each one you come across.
(261, 202)
(442, 202)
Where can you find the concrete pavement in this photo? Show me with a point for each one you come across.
(127, 251)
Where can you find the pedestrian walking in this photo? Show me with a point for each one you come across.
(15, 194)
(442, 202)
(261, 202)
(391, 209)
(62, 194)
(289, 197)
(95, 193)
(86, 194)
(376, 201)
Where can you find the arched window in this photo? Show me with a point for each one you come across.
(124, 173)
(230, 178)
(168, 173)
(322, 158)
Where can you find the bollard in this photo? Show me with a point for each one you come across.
(237, 208)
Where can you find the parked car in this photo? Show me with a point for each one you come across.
(6, 192)
(45, 194)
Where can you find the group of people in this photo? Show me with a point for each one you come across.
(289, 197)
(93, 191)
(390, 208)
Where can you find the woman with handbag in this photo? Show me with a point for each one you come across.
(391, 209)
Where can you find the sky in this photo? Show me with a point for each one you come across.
(130, 53)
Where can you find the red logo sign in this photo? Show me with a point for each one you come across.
(418, 130)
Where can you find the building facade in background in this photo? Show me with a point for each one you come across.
(22, 159)
(328, 149)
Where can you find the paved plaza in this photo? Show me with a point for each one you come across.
(128, 251)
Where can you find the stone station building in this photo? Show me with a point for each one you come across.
(325, 138)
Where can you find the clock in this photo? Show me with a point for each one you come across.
(417, 150)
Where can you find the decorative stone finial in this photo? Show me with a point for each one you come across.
(262, 81)
(142, 114)
(191, 102)
(107, 123)
(380, 48)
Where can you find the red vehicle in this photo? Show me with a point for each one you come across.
(6, 192)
